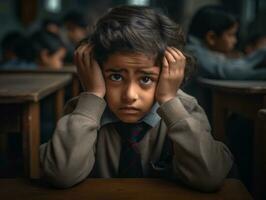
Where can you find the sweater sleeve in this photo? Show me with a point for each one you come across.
(198, 160)
(216, 65)
(69, 156)
(235, 69)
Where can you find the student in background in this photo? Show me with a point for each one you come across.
(211, 37)
(16, 52)
(212, 34)
(75, 24)
(51, 25)
(133, 121)
(48, 50)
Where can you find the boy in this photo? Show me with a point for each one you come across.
(130, 121)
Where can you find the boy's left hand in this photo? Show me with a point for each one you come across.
(171, 76)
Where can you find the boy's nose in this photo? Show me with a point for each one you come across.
(130, 94)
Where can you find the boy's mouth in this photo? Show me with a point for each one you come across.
(129, 110)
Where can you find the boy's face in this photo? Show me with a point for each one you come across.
(54, 60)
(225, 42)
(75, 33)
(131, 81)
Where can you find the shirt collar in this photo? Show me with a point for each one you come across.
(152, 118)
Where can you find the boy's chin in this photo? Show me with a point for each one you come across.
(130, 120)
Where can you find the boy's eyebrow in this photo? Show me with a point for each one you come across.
(114, 70)
(148, 72)
(142, 71)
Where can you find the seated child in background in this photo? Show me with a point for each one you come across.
(75, 25)
(16, 53)
(212, 34)
(51, 25)
(133, 120)
(48, 50)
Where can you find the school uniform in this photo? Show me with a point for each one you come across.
(215, 65)
(178, 145)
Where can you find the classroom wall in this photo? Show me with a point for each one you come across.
(8, 18)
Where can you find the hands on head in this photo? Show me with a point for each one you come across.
(171, 75)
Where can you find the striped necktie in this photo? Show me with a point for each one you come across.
(130, 159)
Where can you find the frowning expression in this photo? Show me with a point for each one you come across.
(131, 80)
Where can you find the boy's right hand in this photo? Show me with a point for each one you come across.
(89, 71)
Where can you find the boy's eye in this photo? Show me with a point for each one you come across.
(146, 80)
(116, 77)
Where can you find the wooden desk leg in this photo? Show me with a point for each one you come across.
(259, 159)
(218, 117)
(31, 138)
(75, 86)
(59, 103)
(258, 174)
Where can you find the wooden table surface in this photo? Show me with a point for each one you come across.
(65, 69)
(119, 189)
(72, 70)
(238, 86)
(16, 87)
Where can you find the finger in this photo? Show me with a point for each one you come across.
(78, 54)
(176, 55)
(79, 62)
(86, 56)
(178, 52)
(179, 57)
(165, 67)
(77, 59)
(170, 58)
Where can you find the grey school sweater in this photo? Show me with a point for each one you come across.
(80, 147)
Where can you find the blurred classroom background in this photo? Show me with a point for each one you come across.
(38, 38)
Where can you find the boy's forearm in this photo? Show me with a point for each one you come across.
(198, 159)
(69, 156)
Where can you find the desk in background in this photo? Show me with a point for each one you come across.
(75, 83)
(120, 189)
(20, 96)
(245, 98)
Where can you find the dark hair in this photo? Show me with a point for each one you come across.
(48, 21)
(76, 18)
(45, 40)
(211, 18)
(16, 42)
(136, 29)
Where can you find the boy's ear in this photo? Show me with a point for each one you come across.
(210, 38)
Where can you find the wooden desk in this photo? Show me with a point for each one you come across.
(76, 87)
(245, 98)
(116, 189)
(21, 94)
